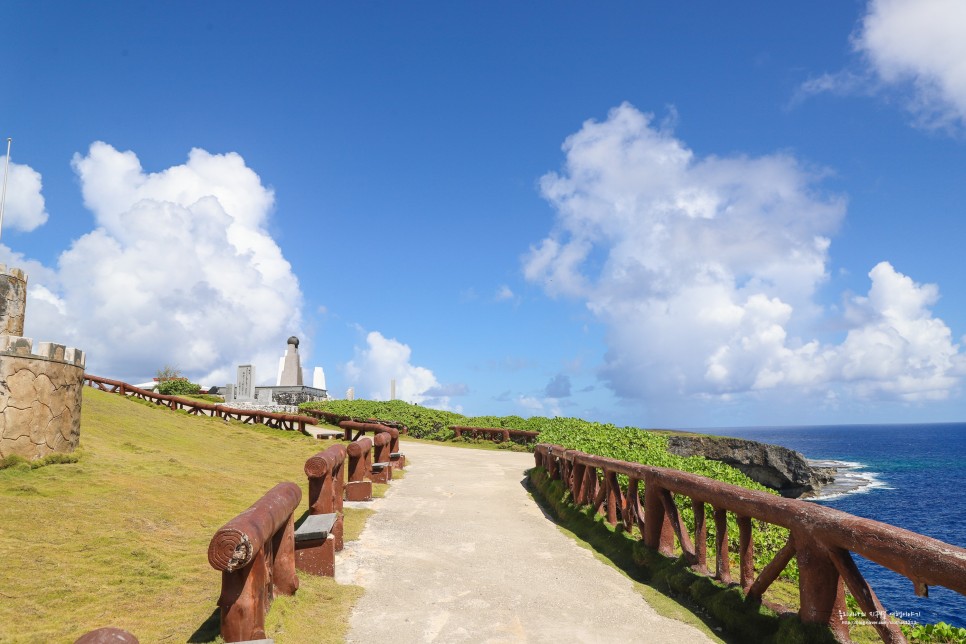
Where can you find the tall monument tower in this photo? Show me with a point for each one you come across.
(291, 366)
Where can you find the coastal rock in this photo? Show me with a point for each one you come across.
(774, 466)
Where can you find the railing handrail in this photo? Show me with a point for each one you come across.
(334, 419)
(191, 403)
(920, 558)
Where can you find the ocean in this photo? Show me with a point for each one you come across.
(911, 476)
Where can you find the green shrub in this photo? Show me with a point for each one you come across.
(941, 632)
(178, 387)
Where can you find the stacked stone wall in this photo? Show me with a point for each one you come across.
(40, 397)
(40, 391)
(13, 300)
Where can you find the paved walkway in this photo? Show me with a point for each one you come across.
(458, 552)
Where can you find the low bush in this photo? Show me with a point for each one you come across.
(178, 387)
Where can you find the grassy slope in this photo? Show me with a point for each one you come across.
(120, 538)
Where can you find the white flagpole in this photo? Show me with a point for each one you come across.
(3, 197)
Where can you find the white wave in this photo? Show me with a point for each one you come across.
(853, 480)
(828, 462)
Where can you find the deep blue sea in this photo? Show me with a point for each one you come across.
(912, 476)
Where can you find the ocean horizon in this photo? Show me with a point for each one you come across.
(907, 475)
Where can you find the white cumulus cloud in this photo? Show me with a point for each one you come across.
(921, 43)
(383, 359)
(910, 50)
(179, 269)
(896, 348)
(24, 208)
(705, 271)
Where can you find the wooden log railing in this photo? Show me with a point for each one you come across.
(360, 429)
(335, 419)
(381, 469)
(497, 434)
(326, 475)
(397, 458)
(256, 553)
(357, 488)
(327, 416)
(822, 539)
(291, 422)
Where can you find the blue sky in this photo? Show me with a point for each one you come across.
(676, 215)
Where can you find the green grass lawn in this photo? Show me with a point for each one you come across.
(120, 538)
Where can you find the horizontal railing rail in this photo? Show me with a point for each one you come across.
(822, 539)
(334, 419)
(495, 433)
(277, 420)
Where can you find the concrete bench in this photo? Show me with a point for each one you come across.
(315, 545)
(315, 527)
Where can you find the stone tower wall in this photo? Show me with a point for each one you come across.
(40, 391)
(13, 300)
(40, 397)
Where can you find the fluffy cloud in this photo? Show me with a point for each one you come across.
(24, 209)
(921, 43)
(180, 269)
(705, 270)
(896, 348)
(383, 359)
(913, 48)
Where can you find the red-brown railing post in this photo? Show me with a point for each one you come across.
(700, 537)
(326, 480)
(888, 630)
(613, 496)
(381, 456)
(252, 551)
(746, 552)
(577, 482)
(820, 587)
(722, 559)
(632, 507)
(588, 489)
(283, 564)
(658, 531)
(360, 457)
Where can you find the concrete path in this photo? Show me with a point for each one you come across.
(458, 552)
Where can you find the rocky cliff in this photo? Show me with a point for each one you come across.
(773, 466)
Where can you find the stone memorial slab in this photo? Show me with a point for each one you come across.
(245, 384)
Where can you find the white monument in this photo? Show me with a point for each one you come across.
(318, 378)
